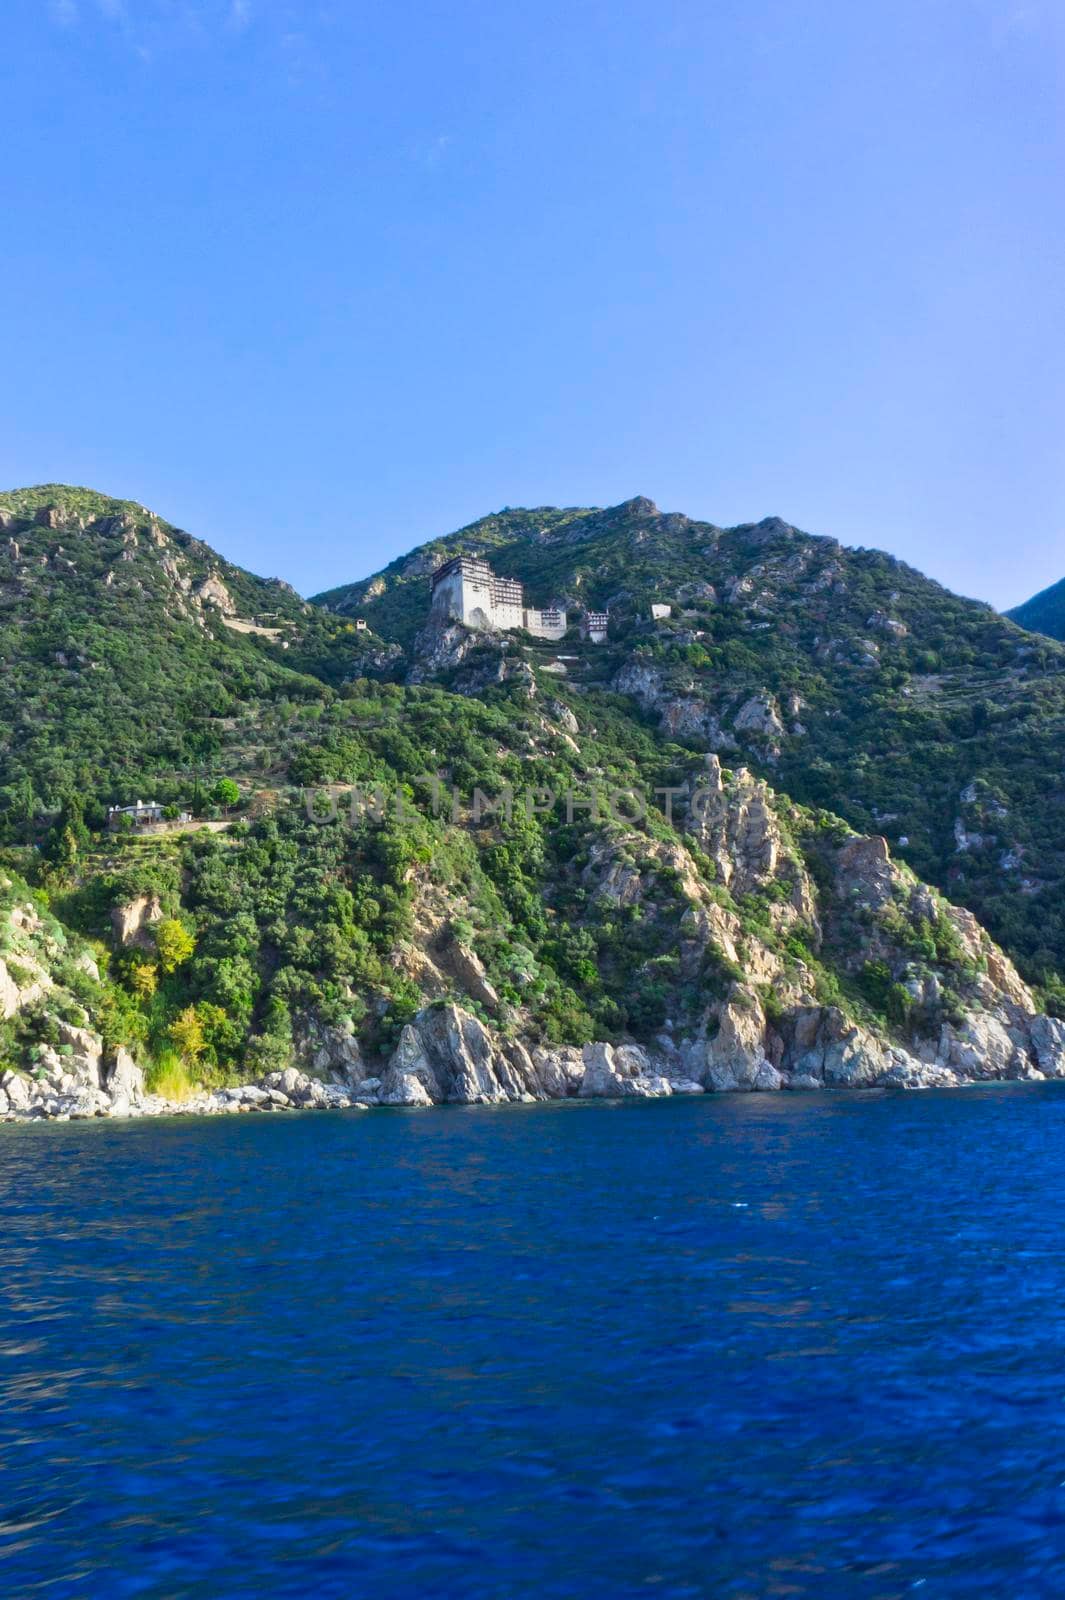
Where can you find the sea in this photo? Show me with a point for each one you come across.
(736, 1347)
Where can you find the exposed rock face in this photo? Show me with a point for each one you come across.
(448, 1055)
(759, 715)
(735, 1058)
(469, 972)
(16, 994)
(613, 1073)
(737, 826)
(641, 681)
(563, 716)
(10, 995)
(212, 591)
(442, 647)
(330, 1052)
(124, 1082)
(131, 923)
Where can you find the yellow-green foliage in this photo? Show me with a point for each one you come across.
(174, 943)
(169, 1076)
(187, 1033)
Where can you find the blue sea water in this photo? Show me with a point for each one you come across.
(738, 1347)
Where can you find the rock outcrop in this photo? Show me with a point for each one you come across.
(131, 923)
(76, 1081)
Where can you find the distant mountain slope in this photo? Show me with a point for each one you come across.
(849, 678)
(125, 642)
(1044, 613)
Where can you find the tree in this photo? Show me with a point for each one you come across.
(225, 793)
(186, 1031)
(174, 943)
(66, 852)
(144, 979)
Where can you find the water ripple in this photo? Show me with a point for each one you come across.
(743, 1348)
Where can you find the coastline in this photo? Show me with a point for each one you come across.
(293, 1090)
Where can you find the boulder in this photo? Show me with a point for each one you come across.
(559, 1070)
(759, 715)
(410, 1078)
(18, 1091)
(561, 713)
(123, 1080)
(297, 1087)
(77, 1062)
(982, 1047)
(614, 1073)
(1047, 1036)
(213, 592)
(332, 1051)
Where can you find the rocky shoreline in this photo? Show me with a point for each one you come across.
(448, 1056)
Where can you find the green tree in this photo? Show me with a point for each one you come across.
(144, 979)
(174, 943)
(186, 1032)
(225, 793)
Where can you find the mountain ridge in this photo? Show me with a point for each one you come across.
(763, 941)
(1044, 612)
(915, 702)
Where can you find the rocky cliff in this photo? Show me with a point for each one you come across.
(50, 993)
(806, 958)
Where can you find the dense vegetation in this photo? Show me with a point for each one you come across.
(120, 670)
(1044, 612)
(130, 670)
(906, 709)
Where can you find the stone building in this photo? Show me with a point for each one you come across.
(465, 589)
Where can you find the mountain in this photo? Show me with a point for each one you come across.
(449, 865)
(1044, 613)
(844, 675)
(127, 645)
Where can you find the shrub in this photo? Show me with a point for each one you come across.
(169, 1076)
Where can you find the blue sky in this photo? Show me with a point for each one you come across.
(320, 281)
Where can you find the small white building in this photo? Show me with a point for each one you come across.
(659, 612)
(142, 814)
(466, 590)
(594, 626)
(361, 625)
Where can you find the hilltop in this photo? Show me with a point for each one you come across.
(128, 645)
(847, 677)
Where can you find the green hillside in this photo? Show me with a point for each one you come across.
(137, 662)
(905, 708)
(1044, 613)
(126, 651)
